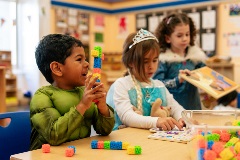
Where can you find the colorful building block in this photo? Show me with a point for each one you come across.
(73, 147)
(119, 145)
(100, 145)
(130, 150)
(138, 150)
(97, 62)
(94, 144)
(97, 70)
(99, 49)
(69, 152)
(94, 53)
(46, 148)
(106, 144)
(134, 150)
(125, 145)
(113, 145)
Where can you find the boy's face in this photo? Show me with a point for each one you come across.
(75, 69)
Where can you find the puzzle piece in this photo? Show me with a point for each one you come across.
(175, 135)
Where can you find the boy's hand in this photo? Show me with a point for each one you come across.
(101, 100)
(91, 92)
(168, 123)
(185, 71)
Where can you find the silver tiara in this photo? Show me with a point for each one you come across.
(142, 35)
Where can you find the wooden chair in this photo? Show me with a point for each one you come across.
(15, 137)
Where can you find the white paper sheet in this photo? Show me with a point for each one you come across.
(208, 19)
(196, 19)
(208, 41)
(153, 23)
(141, 23)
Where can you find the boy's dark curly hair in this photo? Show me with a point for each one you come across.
(54, 47)
(167, 26)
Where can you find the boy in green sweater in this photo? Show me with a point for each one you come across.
(64, 111)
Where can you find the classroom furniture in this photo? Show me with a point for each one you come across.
(15, 136)
(151, 149)
(2, 90)
(11, 80)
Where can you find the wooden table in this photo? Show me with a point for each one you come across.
(151, 149)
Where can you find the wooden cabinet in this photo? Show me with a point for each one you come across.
(113, 66)
(10, 79)
(5, 60)
(2, 90)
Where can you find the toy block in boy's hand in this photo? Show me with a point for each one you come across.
(97, 63)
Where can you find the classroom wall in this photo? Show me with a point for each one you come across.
(226, 26)
(112, 43)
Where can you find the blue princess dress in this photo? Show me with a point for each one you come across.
(150, 94)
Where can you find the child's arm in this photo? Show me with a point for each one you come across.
(100, 93)
(185, 71)
(162, 73)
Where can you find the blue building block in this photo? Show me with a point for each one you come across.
(97, 62)
(74, 148)
(94, 144)
(113, 145)
(119, 145)
(210, 143)
(201, 153)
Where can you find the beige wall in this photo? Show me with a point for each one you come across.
(225, 26)
(114, 44)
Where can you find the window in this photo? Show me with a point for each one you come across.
(8, 36)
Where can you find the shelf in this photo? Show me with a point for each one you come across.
(10, 80)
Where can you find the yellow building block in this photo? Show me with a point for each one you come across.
(125, 145)
(131, 150)
(94, 53)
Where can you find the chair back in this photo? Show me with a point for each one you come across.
(15, 137)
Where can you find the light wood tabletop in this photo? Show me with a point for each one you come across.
(151, 149)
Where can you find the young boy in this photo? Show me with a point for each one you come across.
(64, 111)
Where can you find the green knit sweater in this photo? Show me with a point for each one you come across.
(55, 120)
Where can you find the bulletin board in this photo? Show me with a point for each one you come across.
(205, 19)
(73, 22)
